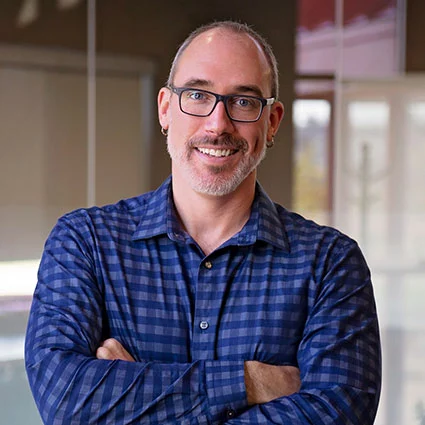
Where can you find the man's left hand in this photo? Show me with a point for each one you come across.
(111, 349)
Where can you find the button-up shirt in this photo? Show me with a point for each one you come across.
(283, 290)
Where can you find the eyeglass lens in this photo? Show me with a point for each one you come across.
(201, 103)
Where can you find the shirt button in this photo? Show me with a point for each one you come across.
(208, 264)
(204, 325)
(230, 413)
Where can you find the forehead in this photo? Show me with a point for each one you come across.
(222, 60)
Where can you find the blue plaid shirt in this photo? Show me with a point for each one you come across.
(283, 290)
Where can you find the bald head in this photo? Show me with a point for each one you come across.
(238, 29)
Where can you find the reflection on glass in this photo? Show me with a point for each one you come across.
(311, 182)
(381, 201)
(44, 166)
(366, 167)
(369, 38)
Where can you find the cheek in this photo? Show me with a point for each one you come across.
(258, 139)
(182, 125)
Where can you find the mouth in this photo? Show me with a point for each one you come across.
(217, 153)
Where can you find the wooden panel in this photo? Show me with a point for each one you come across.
(415, 36)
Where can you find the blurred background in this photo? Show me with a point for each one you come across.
(78, 126)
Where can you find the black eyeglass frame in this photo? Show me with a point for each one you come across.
(221, 98)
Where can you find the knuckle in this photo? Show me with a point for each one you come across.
(109, 343)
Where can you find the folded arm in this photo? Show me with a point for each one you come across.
(339, 355)
(263, 382)
(71, 385)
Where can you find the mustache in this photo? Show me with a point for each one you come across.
(227, 141)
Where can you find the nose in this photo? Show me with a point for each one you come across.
(218, 122)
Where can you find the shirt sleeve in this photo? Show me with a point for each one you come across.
(71, 386)
(339, 356)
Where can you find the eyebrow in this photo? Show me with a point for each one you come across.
(250, 89)
(197, 82)
(206, 84)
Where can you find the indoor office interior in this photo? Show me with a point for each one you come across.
(78, 127)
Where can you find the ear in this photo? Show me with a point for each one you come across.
(163, 107)
(276, 115)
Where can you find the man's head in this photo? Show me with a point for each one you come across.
(218, 130)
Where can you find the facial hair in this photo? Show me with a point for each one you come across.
(215, 181)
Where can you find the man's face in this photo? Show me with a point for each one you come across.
(214, 154)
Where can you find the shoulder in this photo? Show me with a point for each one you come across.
(101, 224)
(305, 235)
(330, 256)
(114, 223)
(123, 212)
(296, 233)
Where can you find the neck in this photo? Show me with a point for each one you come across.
(212, 220)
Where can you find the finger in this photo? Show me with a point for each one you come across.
(115, 348)
(103, 354)
(115, 351)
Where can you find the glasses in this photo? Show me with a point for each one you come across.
(201, 103)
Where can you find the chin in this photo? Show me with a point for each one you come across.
(218, 185)
(214, 190)
(216, 181)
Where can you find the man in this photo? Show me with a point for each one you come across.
(204, 302)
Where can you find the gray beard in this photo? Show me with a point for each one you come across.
(220, 185)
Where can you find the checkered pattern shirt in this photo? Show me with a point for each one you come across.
(283, 290)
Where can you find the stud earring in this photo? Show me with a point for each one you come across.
(270, 143)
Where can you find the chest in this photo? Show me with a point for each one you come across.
(238, 303)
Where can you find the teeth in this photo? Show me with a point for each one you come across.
(215, 152)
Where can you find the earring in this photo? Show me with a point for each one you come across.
(164, 131)
(270, 143)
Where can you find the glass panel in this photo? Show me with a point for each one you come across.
(414, 249)
(415, 170)
(119, 150)
(366, 166)
(43, 131)
(42, 166)
(380, 201)
(316, 37)
(369, 38)
(311, 180)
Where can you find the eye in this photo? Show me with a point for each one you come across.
(243, 102)
(195, 95)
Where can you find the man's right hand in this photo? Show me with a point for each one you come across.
(266, 382)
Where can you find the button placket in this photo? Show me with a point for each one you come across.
(203, 324)
(205, 312)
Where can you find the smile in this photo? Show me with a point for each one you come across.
(218, 153)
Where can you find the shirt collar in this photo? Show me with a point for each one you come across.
(153, 220)
(264, 224)
(159, 217)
